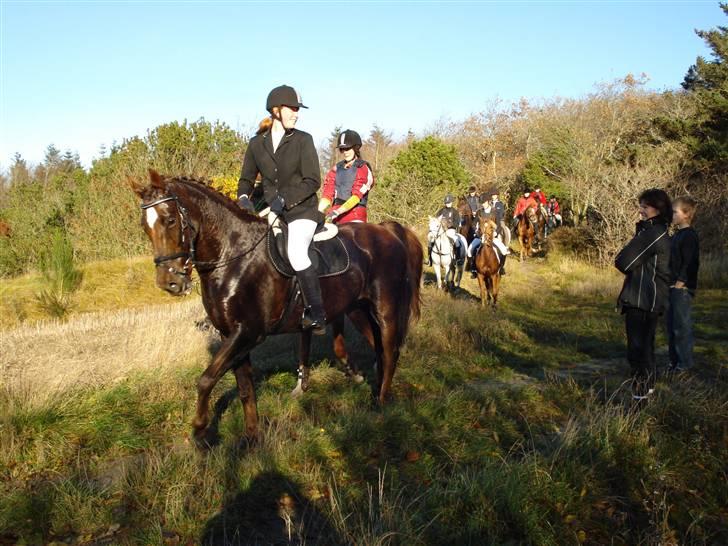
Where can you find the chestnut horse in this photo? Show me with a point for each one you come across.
(526, 234)
(192, 225)
(487, 266)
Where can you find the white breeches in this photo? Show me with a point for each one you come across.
(300, 234)
(502, 247)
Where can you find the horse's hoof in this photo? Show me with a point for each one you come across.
(246, 443)
(201, 442)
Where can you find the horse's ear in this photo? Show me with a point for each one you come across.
(136, 186)
(156, 179)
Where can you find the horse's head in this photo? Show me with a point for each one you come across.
(434, 225)
(488, 231)
(167, 224)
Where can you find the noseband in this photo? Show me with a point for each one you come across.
(185, 223)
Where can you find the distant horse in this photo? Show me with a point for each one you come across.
(540, 221)
(467, 223)
(526, 234)
(246, 298)
(447, 260)
(487, 266)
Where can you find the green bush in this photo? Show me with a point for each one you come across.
(416, 180)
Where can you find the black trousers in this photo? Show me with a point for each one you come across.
(641, 326)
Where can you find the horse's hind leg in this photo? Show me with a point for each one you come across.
(383, 327)
(304, 372)
(246, 391)
(389, 352)
(221, 363)
(342, 357)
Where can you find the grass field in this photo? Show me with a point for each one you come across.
(512, 427)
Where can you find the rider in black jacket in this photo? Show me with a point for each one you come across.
(645, 261)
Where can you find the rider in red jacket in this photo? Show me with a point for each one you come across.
(348, 183)
(539, 196)
(521, 205)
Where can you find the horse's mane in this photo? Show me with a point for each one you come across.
(205, 187)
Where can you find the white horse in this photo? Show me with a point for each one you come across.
(445, 256)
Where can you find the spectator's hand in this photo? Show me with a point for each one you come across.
(331, 215)
(277, 205)
(679, 285)
(246, 204)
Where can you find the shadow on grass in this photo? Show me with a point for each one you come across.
(271, 510)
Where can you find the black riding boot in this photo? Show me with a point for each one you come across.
(314, 316)
(429, 253)
(503, 265)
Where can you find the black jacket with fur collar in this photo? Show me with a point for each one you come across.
(646, 263)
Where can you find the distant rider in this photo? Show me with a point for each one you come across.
(347, 184)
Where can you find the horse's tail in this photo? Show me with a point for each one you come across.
(413, 299)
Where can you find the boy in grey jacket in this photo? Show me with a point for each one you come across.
(645, 261)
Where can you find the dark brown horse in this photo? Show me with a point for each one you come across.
(526, 234)
(246, 298)
(467, 224)
(487, 266)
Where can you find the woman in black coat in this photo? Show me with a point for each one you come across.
(287, 162)
(645, 261)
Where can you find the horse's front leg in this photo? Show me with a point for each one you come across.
(304, 371)
(438, 276)
(246, 392)
(495, 282)
(221, 363)
(481, 285)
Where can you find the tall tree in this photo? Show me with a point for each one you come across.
(19, 172)
(378, 143)
(328, 155)
(707, 82)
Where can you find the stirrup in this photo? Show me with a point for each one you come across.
(317, 325)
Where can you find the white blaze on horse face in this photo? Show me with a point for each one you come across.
(151, 217)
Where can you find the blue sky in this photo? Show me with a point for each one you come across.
(80, 75)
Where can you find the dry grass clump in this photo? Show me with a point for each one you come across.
(105, 286)
(44, 359)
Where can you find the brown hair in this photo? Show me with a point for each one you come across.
(658, 199)
(266, 123)
(687, 204)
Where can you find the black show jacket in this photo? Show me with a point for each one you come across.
(291, 172)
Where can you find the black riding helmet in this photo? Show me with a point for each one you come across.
(349, 139)
(283, 95)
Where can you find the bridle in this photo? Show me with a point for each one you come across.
(185, 224)
(191, 254)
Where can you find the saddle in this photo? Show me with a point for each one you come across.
(327, 251)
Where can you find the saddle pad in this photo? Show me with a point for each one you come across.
(329, 257)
